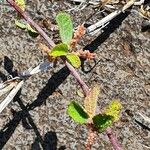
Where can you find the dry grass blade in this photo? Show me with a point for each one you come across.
(145, 118)
(139, 2)
(40, 68)
(11, 95)
(105, 21)
(105, 2)
(7, 88)
(90, 101)
(129, 4)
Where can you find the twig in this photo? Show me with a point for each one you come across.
(147, 147)
(90, 2)
(103, 21)
(79, 1)
(73, 71)
(27, 73)
(139, 118)
(4, 84)
(139, 3)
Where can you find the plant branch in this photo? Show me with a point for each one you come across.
(113, 139)
(50, 42)
(77, 76)
(83, 85)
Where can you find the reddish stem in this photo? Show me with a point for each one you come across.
(77, 76)
(91, 137)
(113, 139)
(83, 85)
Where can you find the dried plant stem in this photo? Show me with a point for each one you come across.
(84, 1)
(11, 95)
(13, 83)
(103, 22)
(85, 88)
(7, 88)
(140, 2)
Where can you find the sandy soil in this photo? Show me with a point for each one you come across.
(37, 118)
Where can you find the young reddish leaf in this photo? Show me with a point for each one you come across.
(113, 109)
(77, 113)
(81, 30)
(86, 54)
(101, 122)
(65, 27)
(74, 60)
(20, 24)
(59, 50)
(21, 4)
(90, 101)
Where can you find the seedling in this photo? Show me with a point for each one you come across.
(87, 114)
(69, 42)
(65, 26)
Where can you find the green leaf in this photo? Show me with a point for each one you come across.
(29, 28)
(77, 113)
(21, 4)
(113, 109)
(31, 31)
(26, 26)
(74, 60)
(65, 27)
(101, 122)
(20, 24)
(59, 50)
